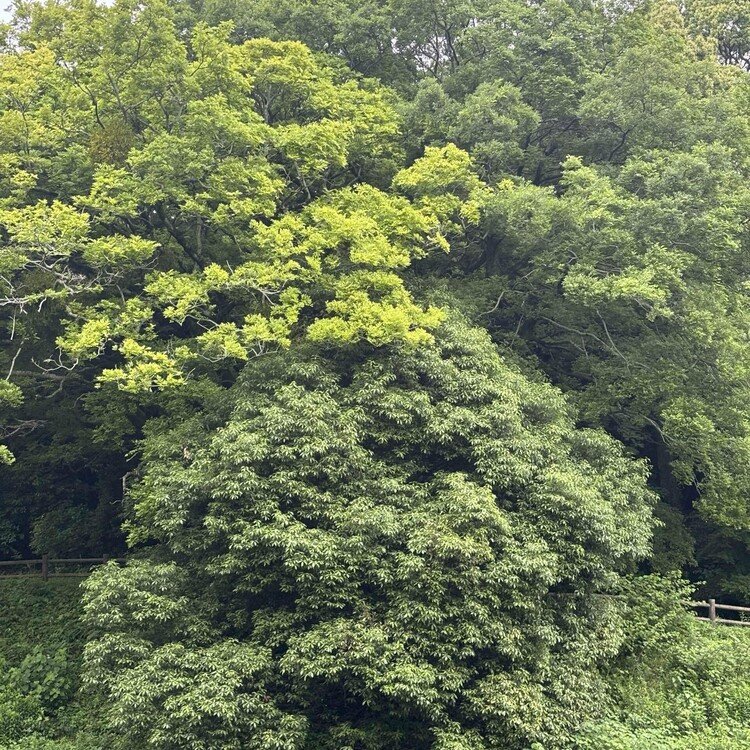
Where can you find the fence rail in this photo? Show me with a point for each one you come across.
(715, 610)
(45, 566)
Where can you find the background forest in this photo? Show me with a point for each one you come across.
(403, 346)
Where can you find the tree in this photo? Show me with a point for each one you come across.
(726, 25)
(374, 550)
(630, 290)
(174, 206)
(359, 33)
(625, 280)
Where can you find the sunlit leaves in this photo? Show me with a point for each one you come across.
(218, 202)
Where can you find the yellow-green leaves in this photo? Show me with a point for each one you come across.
(55, 229)
(50, 254)
(58, 230)
(119, 251)
(314, 147)
(32, 83)
(440, 170)
(376, 307)
(183, 295)
(87, 338)
(15, 181)
(208, 212)
(328, 273)
(144, 369)
(10, 394)
(256, 333)
(444, 184)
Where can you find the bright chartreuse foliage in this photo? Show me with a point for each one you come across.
(215, 219)
(196, 203)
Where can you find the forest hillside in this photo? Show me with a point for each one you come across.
(395, 354)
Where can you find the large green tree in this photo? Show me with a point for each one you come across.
(171, 206)
(401, 550)
(625, 279)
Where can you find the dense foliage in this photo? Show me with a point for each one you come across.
(356, 536)
(402, 345)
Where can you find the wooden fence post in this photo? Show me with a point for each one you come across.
(712, 610)
(45, 567)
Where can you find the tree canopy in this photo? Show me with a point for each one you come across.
(356, 534)
(397, 345)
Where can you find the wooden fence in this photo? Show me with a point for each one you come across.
(715, 610)
(48, 567)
